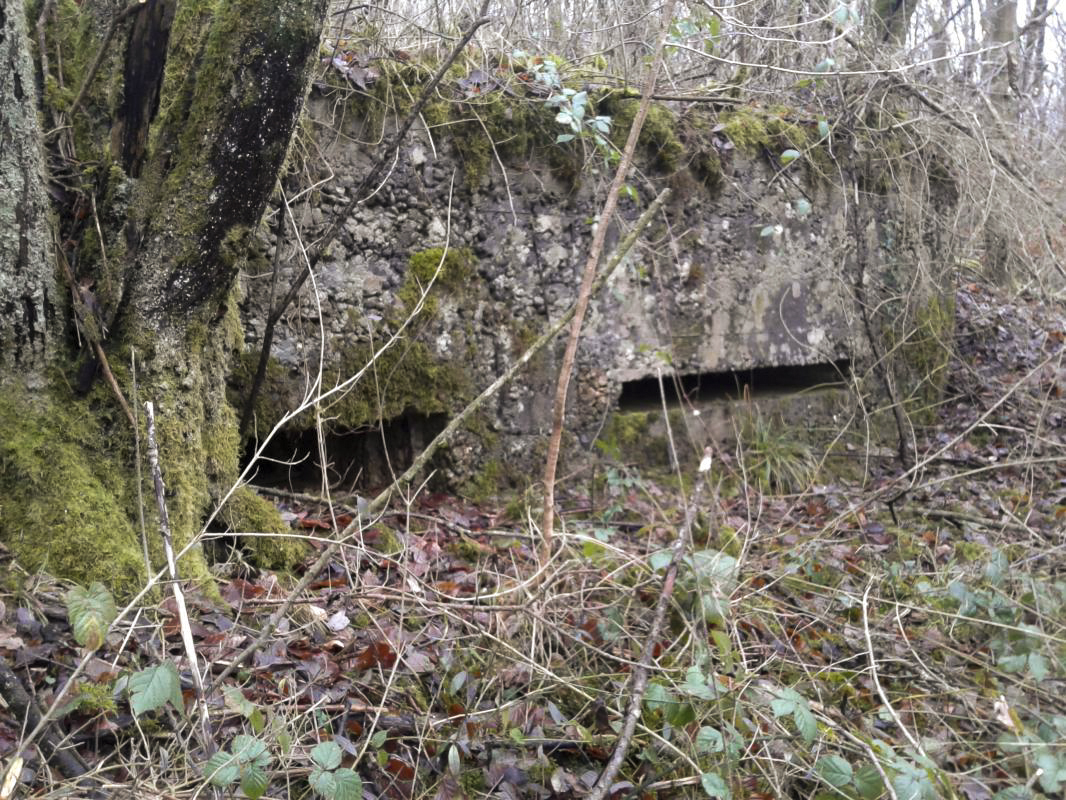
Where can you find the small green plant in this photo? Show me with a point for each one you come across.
(245, 763)
(91, 611)
(331, 780)
(775, 459)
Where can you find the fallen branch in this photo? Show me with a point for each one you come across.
(66, 760)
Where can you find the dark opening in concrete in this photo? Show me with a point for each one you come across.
(643, 394)
(365, 459)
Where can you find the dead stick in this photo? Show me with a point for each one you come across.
(640, 673)
(599, 238)
(175, 583)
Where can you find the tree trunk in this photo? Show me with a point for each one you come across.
(176, 148)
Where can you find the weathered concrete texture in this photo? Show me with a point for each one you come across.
(738, 273)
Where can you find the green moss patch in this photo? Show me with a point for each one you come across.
(247, 512)
(65, 500)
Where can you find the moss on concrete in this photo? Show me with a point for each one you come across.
(924, 354)
(407, 377)
(658, 139)
(452, 270)
(247, 512)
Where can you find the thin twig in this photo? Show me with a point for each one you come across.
(175, 583)
(599, 238)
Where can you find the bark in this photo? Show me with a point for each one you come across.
(179, 144)
(27, 288)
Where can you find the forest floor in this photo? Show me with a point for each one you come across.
(862, 638)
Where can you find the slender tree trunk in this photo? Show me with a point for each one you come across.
(176, 148)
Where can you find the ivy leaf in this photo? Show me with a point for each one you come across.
(90, 611)
(714, 786)
(151, 688)
(327, 755)
(835, 771)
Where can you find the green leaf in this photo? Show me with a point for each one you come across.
(322, 782)
(802, 207)
(709, 740)
(1038, 666)
(789, 156)
(236, 701)
(825, 65)
(378, 739)
(151, 688)
(785, 702)
(90, 611)
(1054, 772)
(1014, 793)
(713, 565)
(254, 782)
(257, 721)
(834, 770)
(660, 559)
(564, 137)
(681, 715)
(768, 230)
(842, 15)
(658, 698)
(805, 722)
(696, 686)
(221, 769)
(1014, 663)
(250, 750)
(714, 786)
(347, 785)
(823, 128)
(327, 755)
(868, 782)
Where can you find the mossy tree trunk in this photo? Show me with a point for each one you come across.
(159, 175)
